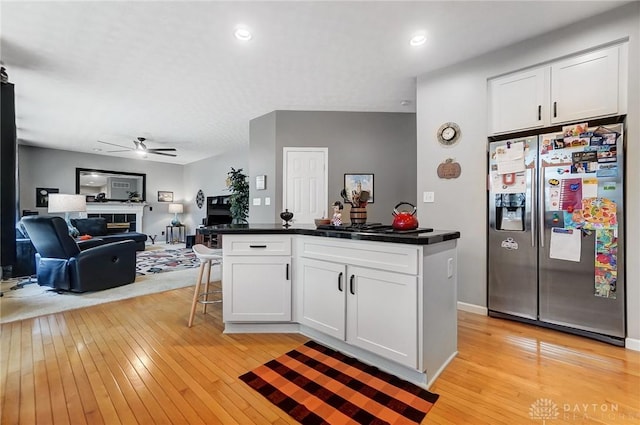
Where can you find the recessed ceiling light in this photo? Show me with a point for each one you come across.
(418, 40)
(405, 103)
(97, 150)
(242, 34)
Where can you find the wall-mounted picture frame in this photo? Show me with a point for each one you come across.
(42, 196)
(359, 182)
(165, 196)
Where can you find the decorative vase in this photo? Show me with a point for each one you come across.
(358, 216)
(286, 215)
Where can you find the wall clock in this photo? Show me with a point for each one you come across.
(200, 199)
(448, 133)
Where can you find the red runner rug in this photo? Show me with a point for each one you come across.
(317, 385)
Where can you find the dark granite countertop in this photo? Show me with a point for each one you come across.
(427, 238)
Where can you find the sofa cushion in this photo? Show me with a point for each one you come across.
(97, 226)
(94, 226)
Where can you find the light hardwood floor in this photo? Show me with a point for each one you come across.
(135, 361)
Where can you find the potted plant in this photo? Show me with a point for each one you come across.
(238, 185)
(134, 196)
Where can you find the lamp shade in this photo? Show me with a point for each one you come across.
(175, 208)
(63, 203)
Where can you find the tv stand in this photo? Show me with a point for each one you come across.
(207, 239)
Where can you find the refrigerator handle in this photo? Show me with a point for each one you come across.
(532, 209)
(541, 208)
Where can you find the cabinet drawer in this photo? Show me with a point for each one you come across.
(375, 255)
(256, 245)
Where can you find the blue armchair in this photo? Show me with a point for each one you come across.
(62, 264)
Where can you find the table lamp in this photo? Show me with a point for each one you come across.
(63, 203)
(176, 209)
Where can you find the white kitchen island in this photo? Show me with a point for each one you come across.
(388, 300)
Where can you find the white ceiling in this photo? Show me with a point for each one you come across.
(173, 72)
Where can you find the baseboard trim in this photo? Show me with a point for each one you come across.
(472, 308)
(632, 344)
(284, 328)
(441, 369)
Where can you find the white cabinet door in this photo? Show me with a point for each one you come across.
(323, 296)
(382, 313)
(519, 101)
(585, 86)
(256, 289)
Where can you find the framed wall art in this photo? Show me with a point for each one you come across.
(42, 196)
(354, 183)
(165, 196)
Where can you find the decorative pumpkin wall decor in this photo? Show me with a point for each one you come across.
(449, 169)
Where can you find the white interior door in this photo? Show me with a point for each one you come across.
(305, 181)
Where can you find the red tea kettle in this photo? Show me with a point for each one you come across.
(405, 220)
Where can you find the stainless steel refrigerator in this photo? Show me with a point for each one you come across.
(556, 228)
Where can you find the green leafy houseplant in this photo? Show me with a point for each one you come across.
(238, 185)
(134, 196)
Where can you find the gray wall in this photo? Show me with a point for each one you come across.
(209, 175)
(39, 167)
(359, 142)
(262, 142)
(458, 94)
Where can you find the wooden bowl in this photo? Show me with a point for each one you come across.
(322, 221)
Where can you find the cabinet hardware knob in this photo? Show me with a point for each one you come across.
(351, 288)
(539, 112)
(287, 271)
(257, 246)
(340, 282)
(555, 109)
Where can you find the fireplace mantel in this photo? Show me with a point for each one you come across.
(118, 208)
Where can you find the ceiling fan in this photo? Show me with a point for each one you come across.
(141, 148)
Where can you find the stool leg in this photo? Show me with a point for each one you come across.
(206, 287)
(196, 292)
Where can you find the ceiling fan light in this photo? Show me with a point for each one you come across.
(141, 152)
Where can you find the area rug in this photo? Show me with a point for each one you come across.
(317, 385)
(160, 261)
(152, 268)
(34, 300)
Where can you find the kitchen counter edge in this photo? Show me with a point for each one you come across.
(427, 238)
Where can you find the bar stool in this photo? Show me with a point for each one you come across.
(208, 257)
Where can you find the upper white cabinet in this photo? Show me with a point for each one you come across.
(585, 86)
(519, 101)
(576, 88)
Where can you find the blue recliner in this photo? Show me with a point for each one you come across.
(62, 264)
